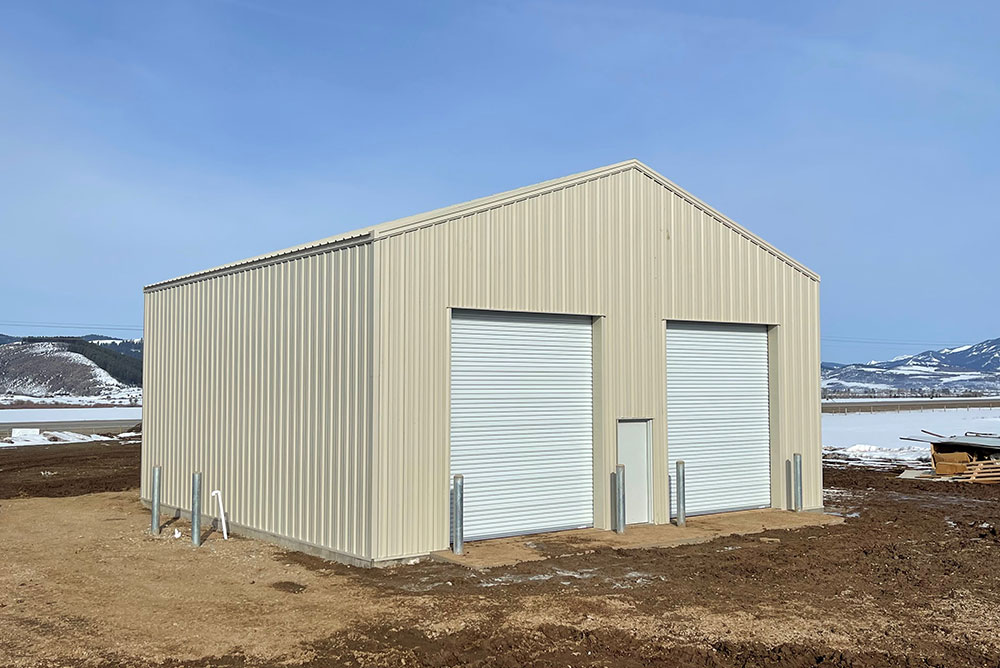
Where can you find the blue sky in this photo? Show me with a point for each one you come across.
(142, 140)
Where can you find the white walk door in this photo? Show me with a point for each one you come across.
(522, 421)
(717, 416)
(634, 453)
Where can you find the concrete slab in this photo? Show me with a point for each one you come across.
(703, 528)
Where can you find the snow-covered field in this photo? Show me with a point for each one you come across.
(875, 436)
(903, 400)
(123, 396)
(42, 415)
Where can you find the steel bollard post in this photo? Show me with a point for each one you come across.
(196, 509)
(620, 498)
(681, 514)
(458, 515)
(797, 481)
(154, 521)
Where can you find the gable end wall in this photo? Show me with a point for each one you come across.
(623, 247)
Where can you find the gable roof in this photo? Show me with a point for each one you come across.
(437, 216)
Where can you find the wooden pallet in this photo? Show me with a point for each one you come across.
(984, 472)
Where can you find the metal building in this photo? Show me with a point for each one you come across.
(530, 341)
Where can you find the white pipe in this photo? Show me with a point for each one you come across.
(222, 515)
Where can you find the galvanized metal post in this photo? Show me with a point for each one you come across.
(681, 510)
(797, 481)
(196, 509)
(458, 514)
(154, 521)
(620, 498)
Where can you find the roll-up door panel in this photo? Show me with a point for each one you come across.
(522, 421)
(718, 415)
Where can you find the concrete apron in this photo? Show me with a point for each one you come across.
(484, 554)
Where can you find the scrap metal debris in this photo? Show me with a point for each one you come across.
(973, 457)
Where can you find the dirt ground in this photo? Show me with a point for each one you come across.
(69, 469)
(912, 578)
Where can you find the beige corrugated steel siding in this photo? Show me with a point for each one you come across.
(625, 246)
(260, 377)
(312, 386)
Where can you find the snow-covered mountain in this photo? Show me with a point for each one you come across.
(67, 369)
(971, 368)
(46, 368)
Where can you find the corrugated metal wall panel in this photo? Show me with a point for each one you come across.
(717, 415)
(622, 245)
(262, 380)
(522, 421)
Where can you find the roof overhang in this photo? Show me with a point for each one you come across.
(315, 248)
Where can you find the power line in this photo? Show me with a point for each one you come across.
(925, 346)
(68, 325)
(893, 342)
(871, 339)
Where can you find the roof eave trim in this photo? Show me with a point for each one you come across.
(256, 263)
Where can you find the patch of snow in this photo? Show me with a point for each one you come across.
(960, 377)
(868, 436)
(100, 375)
(48, 438)
(24, 439)
(903, 452)
(912, 369)
(897, 358)
(832, 382)
(55, 437)
(73, 437)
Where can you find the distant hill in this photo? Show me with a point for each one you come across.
(973, 368)
(61, 366)
(130, 347)
(125, 369)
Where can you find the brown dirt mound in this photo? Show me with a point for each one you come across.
(289, 587)
(552, 646)
(559, 646)
(68, 469)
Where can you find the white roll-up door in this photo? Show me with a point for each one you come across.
(717, 415)
(522, 421)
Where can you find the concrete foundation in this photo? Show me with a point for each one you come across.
(508, 551)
